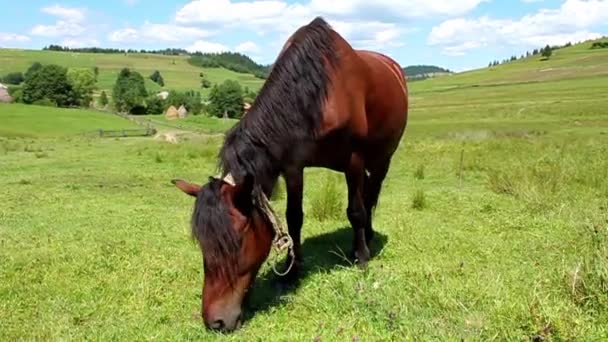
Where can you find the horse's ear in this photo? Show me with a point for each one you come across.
(243, 193)
(188, 188)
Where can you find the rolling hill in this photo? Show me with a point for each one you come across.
(177, 72)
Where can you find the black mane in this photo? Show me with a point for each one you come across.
(287, 111)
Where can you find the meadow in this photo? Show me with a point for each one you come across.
(492, 225)
(178, 74)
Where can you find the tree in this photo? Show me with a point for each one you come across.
(32, 69)
(103, 99)
(226, 98)
(157, 78)
(83, 82)
(547, 52)
(155, 105)
(129, 91)
(50, 83)
(190, 99)
(13, 78)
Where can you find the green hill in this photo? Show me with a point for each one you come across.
(422, 72)
(576, 61)
(177, 72)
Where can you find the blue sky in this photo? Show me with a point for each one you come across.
(457, 34)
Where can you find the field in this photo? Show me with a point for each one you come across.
(492, 225)
(178, 74)
(19, 120)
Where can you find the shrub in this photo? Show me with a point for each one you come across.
(50, 82)
(129, 91)
(13, 78)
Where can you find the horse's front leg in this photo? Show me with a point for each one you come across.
(294, 180)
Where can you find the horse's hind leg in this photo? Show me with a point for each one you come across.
(357, 215)
(373, 186)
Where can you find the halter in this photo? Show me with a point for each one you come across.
(282, 240)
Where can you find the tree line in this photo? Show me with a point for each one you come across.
(168, 51)
(57, 86)
(234, 61)
(546, 52)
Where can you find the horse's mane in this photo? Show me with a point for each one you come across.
(287, 111)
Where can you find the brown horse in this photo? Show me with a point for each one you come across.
(324, 104)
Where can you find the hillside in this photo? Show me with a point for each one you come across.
(422, 72)
(574, 62)
(177, 72)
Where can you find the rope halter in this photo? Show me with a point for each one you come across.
(282, 240)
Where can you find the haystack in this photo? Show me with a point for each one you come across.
(182, 112)
(172, 113)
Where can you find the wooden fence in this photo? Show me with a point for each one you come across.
(126, 133)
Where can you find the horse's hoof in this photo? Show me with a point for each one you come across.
(362, 258)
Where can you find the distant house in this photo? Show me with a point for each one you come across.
(4, 94)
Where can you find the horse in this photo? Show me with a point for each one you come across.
(323, 104)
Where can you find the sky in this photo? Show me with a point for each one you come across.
(456, 34)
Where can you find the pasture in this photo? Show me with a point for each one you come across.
(492, 225)
(178, 74)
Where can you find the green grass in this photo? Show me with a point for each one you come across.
(19, 120)
(177, 73)
(197, 123)
(492, 225)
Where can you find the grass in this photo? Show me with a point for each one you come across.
(511, 245)
(177, 73)
(19, 120)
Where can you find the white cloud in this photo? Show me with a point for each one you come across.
(12, 38)
(394, 9)
(66, 13)
(571, 22)
(204, 46)
(79, 42)
(59, 29)
(247, 47)
(69, 22)
(227, 11)
(366, 24)
(158, 32)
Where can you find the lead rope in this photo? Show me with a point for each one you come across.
(282, 240)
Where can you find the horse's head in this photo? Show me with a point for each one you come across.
(235, 236)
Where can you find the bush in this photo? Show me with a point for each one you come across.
(50, 82)
(103, 99)
(16, 93)
(157, 78)
(190, 99)
(13, 78)
(226, 98)
(155, 105)
(129, 91)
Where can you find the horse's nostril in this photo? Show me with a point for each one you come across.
(217, 325)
